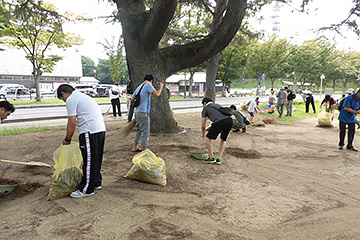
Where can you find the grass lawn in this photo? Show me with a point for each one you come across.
(298, 113)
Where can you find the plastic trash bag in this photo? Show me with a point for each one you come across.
(68, 174)
(148, 168)
(243, 107)
(325, 119)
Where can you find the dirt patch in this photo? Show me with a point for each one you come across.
(20, 190)
(241, 153)
(275, 182)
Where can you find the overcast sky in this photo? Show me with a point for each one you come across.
(293, 25)
(298, 26)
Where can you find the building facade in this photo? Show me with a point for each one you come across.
(15, 68)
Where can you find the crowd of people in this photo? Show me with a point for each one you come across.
(84, 112)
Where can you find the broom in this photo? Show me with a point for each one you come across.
(129, 127)
(107, 112)
(39, 164)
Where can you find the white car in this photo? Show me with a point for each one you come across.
(18, 94)
(89, 91)
(4, 88)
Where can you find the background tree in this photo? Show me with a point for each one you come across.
(335, 67)
(88, 67)
(351, 69)
(232, 60)
(103, 73)
(2, 22)
(34, 26)
(117, 60)
(257, 62)
(213, 62)
(279, 51)
(308, 61)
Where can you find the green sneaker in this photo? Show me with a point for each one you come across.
(209, 160)
(218, 161)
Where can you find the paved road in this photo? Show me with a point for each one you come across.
(25, 116)
(33, 113)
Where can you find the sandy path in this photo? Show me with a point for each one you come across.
(276, 182)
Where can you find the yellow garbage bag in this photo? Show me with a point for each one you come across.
(243, 107)
(148, 168)
(324, 119)
(68, 173)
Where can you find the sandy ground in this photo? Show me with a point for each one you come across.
(276, 182)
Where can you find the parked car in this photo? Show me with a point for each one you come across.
(4, 88)
(18, 94)
(90, 92)
(102, 91)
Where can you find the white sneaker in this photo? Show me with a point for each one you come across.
(79, 194)
(97, 188)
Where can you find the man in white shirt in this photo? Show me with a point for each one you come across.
(115, 99)
(85, 112)
(253, 107)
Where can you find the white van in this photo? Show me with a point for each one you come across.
(18, 94)
(4, 88)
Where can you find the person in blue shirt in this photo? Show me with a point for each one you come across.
(347, 117)
(142, 112)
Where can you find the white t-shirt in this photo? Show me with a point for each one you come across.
(117, 89)
(88, 114)
(272, 99)
(252, 105)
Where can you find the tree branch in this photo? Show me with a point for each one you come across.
(159, 19)
(192, 54)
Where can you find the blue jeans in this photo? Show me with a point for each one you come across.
(131, 112)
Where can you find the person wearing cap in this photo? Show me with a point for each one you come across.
(221, 124)
(350, 91)
(347, 118)
(253, 107)
(272, 99)
(308, 99)
(281, 96)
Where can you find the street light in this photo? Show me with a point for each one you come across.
(322, 77)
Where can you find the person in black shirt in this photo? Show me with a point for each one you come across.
(221, 124)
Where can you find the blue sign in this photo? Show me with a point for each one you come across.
(263, 76)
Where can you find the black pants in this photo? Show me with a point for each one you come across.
(309, 100)
(116, 103)
(92, 149)
(351, 133)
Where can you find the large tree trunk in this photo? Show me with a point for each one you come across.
(191, 81)
(211, 73)
(37, 75)
(142, 32)
(213, 62)
(161, 118)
